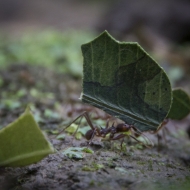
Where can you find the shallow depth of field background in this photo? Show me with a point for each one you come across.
(41, 65)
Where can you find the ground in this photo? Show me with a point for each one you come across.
(134, 167)
(54, 98)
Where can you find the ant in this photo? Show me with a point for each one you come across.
(120, 131)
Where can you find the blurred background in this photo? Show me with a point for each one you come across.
(40, 56)
(41, 60)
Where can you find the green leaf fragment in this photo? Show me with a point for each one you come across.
(72, 128)
(10, 104)
(51, 114)
(124, 81)
(54, 132)
(180, 106)
(87, 150)
(81, 131)
(1, 81)
(22, 92)
(122, 170)
(23, 143)
(78, 136)
(93, 167)
(76, 152)
(61, 137)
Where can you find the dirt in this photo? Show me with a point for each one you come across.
(166, 165)
(128, 169)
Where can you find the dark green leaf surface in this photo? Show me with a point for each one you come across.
(123, 80)
(180, 105)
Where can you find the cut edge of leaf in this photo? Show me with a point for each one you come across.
(44, 153)
(37, 154)
(85, 100)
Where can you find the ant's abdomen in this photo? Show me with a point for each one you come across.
(89, 134)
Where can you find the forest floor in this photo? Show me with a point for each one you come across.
(54, 102)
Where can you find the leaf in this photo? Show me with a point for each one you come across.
(1, 81)
(22, 142)
(61, 137)
(54, 132)
(81, 131)
(78, 136)
(51, 114)
(87, 150)
(72, 128)
(180, 106)
(76, 152)
(124, 81)
(10, 104)
(93, 167)
(120, 169)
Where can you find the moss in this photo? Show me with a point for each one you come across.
(170, 165)
(92, 167)
(141, 163)
(92, 183)
(150, 167)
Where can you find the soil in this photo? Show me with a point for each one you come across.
(166, 165)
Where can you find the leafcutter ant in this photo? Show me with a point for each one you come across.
(110, 133)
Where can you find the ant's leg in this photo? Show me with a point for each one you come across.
(139, 133)
(161, 126)
(94, 129)
(93, 134)
(107, 123)
(124, 135)
(164, 131)
(148, 146)
(78, 125)
(118, 137)
(158, 140)
(80, 116)
(122, 140)
(91, 125)
(89, 120)
(85, 114)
